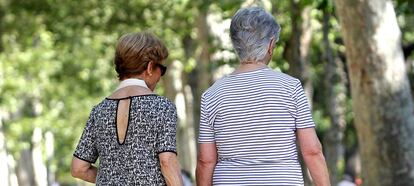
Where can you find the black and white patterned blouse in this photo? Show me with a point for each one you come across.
(151, 130)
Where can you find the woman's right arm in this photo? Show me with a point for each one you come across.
(170, 169)
(166, 146)
(206, 162)
(86, 153)
(312, 154)
(207, 150)
(83, 170)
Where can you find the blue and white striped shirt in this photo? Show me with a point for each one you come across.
(252, 117)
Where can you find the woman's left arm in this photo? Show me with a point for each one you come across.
(83, 170)
(312, 154)
(170, 169)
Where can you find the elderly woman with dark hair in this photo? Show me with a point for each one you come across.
(133, 131)
(251, 119)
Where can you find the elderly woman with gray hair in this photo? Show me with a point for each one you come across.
(252, 118)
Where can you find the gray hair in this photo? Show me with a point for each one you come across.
(251, 30)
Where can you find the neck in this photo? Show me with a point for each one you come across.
(132, 82)
(140, 76)
(252, 65)
(246, 67)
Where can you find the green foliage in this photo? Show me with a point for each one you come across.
(57, 62)
(229, 7)
(56, 58)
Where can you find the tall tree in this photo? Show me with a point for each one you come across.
(335, 78)
(4, 169)
(297, 51)
(176, 90)
(380, 91)
(201, 73)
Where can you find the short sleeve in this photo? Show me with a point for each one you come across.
(166, 138)
(86, 149)
(206, 131)
(303, 116)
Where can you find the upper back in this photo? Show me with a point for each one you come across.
(252, 113)
(256, 85)
(149, 130)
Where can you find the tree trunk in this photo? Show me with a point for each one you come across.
(335, 79)
(13, 181)
(50, 150)
(380, 91)
(4, 167)
(200, 78)
(191, 139)
(39, 167)
(297, 52)
(176, 91)
(25, 175)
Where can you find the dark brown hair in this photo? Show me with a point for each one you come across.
(134, 52)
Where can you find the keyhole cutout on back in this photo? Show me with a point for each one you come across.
(122, 119)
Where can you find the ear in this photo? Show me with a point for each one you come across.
(150, 69)
(271, 46)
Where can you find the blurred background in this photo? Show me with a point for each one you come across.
(56, 63)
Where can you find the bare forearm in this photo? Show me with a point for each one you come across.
(311, 149)
(318, 169)
(204, 173)
(172, 174)
(89, 175)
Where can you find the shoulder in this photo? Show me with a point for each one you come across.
(213, 89)
(217, 84)
(163, 103)
(103, 105)
(163, 100)
(283, 78)
(164, 108)
(288, 82)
